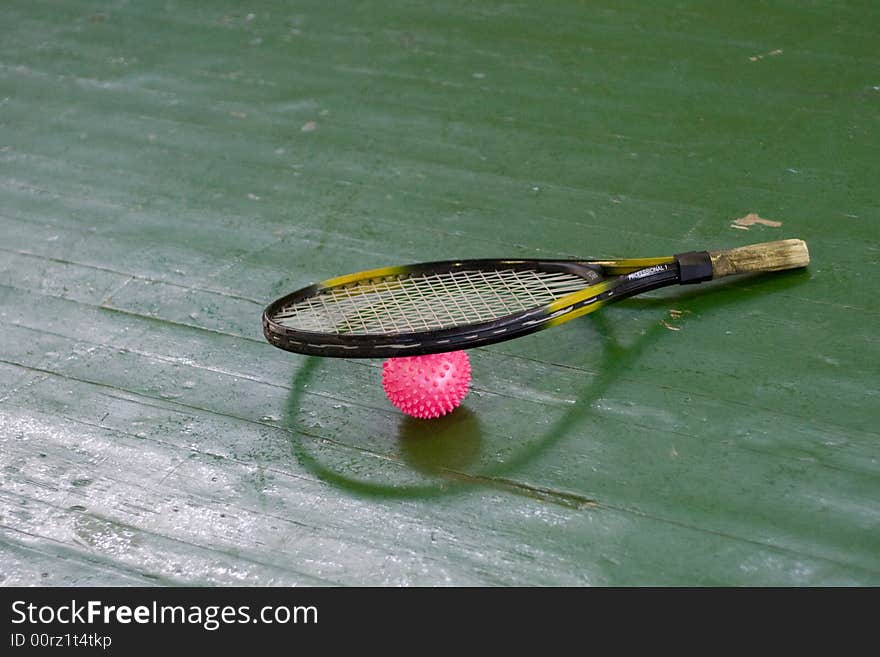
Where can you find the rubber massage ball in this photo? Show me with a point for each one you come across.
(427, 386)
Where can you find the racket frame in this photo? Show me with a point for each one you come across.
(604, 281)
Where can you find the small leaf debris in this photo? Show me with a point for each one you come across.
(674, 313)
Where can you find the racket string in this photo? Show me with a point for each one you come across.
(499, 301)
(426, 302)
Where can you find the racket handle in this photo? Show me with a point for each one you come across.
(769, 256)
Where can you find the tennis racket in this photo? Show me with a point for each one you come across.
(458, 304)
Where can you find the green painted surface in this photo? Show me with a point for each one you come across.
(167, 168)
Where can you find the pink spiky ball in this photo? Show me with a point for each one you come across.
(427, 386)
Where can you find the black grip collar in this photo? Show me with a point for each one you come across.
(694, 267)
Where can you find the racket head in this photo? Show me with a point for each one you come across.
(429, 307)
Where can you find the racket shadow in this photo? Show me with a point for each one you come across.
(723, 292)
(450, 450)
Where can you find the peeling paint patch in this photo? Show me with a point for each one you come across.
(751, 219)
(772, 53)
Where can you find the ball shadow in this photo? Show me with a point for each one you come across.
(451, 442)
